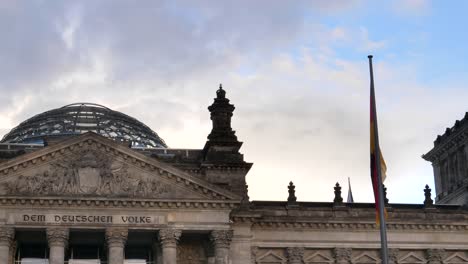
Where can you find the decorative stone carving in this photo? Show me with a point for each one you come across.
(87, 172)
(342, 255)
(169, 237)
(57, 236)
(221, 238)
(7, 234)
(295, 255)
(393, 255)
(116, 237)
(253, 255)
(191, 253)
(435, 256)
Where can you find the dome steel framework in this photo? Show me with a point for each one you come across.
(78, 118)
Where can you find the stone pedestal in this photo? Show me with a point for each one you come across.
(116, 239)
(7, 234)
(169, 239)
(221, 240)
(58, 240)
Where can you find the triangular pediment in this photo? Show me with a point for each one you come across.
(365, 258)
(318, 258)
(456, 258)
(411, 258)
(94, 166)
(271, 257)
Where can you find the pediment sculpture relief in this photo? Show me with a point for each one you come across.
(88, 173)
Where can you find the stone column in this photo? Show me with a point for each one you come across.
(221, 240)
(7, 234)
(342, 255)
(116, 239)
(58, 240)
(169, 239)
(295, 255)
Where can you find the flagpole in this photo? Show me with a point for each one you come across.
(383, 226)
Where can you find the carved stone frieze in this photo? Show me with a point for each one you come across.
(221, 238)
(7, 234)
(169, 237)
(435, 256)
(86, 173)
(295, 255)
(342, 255)
(116, 237)
(57, 236)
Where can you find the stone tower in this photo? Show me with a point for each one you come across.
(449, 161)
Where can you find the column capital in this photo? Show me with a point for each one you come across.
(116, 237)
(221, 238)
(57, 236)
(7, 234)
(169, 237)
(295, 254)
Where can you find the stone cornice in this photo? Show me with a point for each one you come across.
(446, 145)
(93, 140)
(363, 226)
(116, 203)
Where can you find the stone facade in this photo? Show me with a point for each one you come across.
(170, 206)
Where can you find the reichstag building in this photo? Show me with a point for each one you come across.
(84, 184)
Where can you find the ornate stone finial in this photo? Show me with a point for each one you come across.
(295, 255)
(57, 236)
(385, 194)
(169, 237)
(220, 94)
(342, 255)
(222, 145)
(7, 234)
(221, 238)
(428, 202)
(116, 237)
(338, 199)
(221, 112)
(292, 193)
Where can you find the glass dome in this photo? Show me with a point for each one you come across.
(79, 118)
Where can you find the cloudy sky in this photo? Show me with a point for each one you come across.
(296, 70)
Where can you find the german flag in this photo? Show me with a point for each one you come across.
(377, 163)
